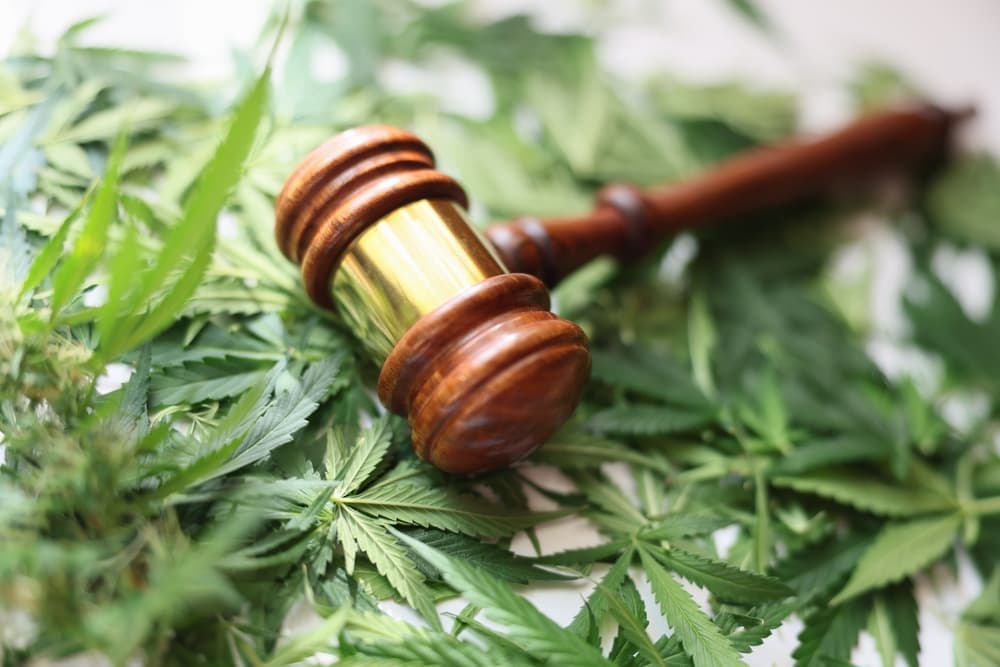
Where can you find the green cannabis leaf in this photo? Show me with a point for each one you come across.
(532, 630)
(894, 624)
(725, 581)
(829, 634)
(192, 457)
(900, 550)
(702, 640)
(868, 493)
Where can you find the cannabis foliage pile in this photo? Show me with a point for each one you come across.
(244, 467)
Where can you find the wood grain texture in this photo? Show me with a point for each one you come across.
(345, 185)
(484, 378)
(488, 376)
(627, 220)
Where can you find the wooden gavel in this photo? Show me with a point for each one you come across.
(470, 352)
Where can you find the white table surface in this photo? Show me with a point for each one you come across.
(951, 49)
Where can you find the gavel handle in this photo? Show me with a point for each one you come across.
(626, 220)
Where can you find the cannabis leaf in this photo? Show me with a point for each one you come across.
(486, 556)
(572, 446)
(535, 632)
(188, 247)
(630, 612)
(263, 420)
(89, 245)
(367, 454)
(830, 634)
(245, 473)
(381, 547)
(435, 507)
(49, 254)
(724, 580)
(387, 639)
(649, 374)
(899, 550)
(867, 492)
(827, 453)
(894, 624)
(646, 420)
(702, 640)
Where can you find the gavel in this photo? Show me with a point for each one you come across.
(461, 325)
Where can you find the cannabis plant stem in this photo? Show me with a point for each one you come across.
(983, 506)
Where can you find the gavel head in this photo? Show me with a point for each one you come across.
(469, 353)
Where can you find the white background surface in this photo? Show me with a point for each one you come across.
(950, 48)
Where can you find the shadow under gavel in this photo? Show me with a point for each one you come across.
(469, 350)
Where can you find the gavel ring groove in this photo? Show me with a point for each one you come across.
(470, 352)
